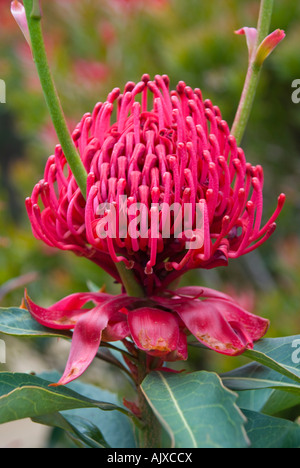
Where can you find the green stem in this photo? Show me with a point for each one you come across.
(150, 435)
(115, 348)
(108, 357)
(33, 15)
(246, 102)
(36, 10)
(264, 21)
(253, 74)
(129, 281)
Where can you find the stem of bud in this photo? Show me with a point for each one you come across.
(253, 74)
(36, 12)
(33, 14)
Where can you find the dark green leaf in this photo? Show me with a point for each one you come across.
(279, 401)
(117, 429)
(269, 432)
(262, 389)
(28, 396)
(18, 322)
(196, 410)
(79, 428)
(254, 400)
(279, 354)
(255, 376)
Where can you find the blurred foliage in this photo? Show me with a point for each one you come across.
(95, 46)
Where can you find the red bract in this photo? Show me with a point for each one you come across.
(158, 325)
(163, 149)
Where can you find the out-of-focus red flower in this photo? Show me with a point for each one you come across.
(163, 150)
(107, 32)
(157, 325)
(89, 73)
(134, 4)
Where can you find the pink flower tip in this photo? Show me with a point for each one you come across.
(18, 11)
(268, 45)
(251, 37)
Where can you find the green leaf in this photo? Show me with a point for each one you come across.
(279, 401)
(246, 383)
(255, 376)
(279, 354)
(269, 432)
(92, 287)
(78, 428)
(262, 389)
(18, 322)
(116, 427)
(254, 400)
(196, 410)
(27, 396)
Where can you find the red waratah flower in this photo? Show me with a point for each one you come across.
(175, 149)
(171, 150)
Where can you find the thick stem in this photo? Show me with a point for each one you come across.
(253, 74)
(129, 282)
(33, 15)
(150, 435)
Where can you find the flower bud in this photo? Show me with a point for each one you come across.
(268, 45)
(251, 38)
(258, 54)
(18, 11)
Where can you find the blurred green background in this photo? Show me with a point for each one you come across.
(94, 46)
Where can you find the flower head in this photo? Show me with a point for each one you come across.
(168, 190)
(155, 161)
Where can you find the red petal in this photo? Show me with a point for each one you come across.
(154, 331)
(181, 353)
(117, 328)
(268, 45)
(221, 325)
(85, 342)
(64, 314)
(58, 319)
(253, 325)
(87, 337)
(78, 300)
(202, 293)
(251, 37)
